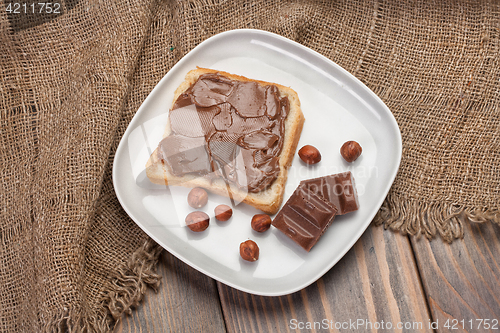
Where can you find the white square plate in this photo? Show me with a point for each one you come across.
(337, 108)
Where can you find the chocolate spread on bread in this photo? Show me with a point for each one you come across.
(227, 128)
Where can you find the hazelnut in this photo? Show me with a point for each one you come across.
(261, 222)
(350, 151)
(197, 197)
(249, 250)
(223, 212)
(197, 221)
(309, 154)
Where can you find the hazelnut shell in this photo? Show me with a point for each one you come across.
(309, 154)
(197, 197)
(197, 221)
(223, 212)
(350, 151)
(249, 250)
(261, 222)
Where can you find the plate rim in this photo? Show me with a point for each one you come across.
(358, 234)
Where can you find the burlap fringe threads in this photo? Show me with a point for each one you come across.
(419, 218)
(124, 291)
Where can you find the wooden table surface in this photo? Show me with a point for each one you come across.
(386, 283)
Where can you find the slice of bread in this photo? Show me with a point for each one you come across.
(268, 200)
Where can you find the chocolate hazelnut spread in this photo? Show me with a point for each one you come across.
(227, 128)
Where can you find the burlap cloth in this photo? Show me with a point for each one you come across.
(71, 259)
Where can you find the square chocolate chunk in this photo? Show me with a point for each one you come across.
(338, 189)
(305, 217)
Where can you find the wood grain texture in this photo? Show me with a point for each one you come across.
(462, 279)
(187, 301)
(376, 282)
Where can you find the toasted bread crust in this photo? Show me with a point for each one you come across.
(268, 200)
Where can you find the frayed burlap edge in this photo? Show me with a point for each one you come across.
(417, 218)
(125, 290)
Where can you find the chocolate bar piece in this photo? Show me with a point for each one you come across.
(338, 189)
(305, 217)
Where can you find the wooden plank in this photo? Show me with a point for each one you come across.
(462, 279)
(376, 282)
(187, 301)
